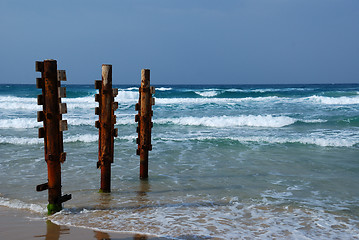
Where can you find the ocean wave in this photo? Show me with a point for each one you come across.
(130, 89)
(26, 123)
(319, 141)
(223, 220)
(129, 119)
(84, 138)
(266, 90)
(123, 97)
(18, 103)
(209, 93)
(88, 102)
(17, 204)
(20, 140)
(231, 121)
(323, 142)
(137, 88)
(8, 99)
(208, 99)
(19, 123)
(222, 101)
(334, 100)
(88, 138)
(129, 98)
(306, 140)
(313, 121)
(80, 121)
(164, 89)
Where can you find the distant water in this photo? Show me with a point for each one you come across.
(228, 162)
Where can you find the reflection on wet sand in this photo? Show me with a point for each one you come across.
(140, 237)
(57, 232)
(102, 235)
(54, 231)
(144, 188)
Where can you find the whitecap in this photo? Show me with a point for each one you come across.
(334, 100)
(86, 138)
(20, 141)
(221, 101)
(18, 103)
(163, 89)
(232, 121)
(19, 123)
(225, 220)
(131, 88)
(17, 204)
(312, 140)
(207, 93)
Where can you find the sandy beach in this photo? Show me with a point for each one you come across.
(18, 224)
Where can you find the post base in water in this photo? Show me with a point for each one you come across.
(104, 191)
(53, 208)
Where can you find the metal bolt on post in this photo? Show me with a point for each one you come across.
(52, 129)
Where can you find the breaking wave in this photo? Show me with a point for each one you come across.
(17, 204)
(230, 121)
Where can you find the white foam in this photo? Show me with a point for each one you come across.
(264, 90)
(81, 138)
(25, 123)
(19, 123)
(313, 140)
(127, 96)
(314, 121)
(18, 103)
(209, 93)
(222, 101)
(80, 121)
(319, 141)
(87, 138)
(123, 97)
(334, 100)
(163, 89)
(17, 204)
(81, 102)
(120, 120)
(227, 220)
(20, 141)
(131, 89)
(232, 121)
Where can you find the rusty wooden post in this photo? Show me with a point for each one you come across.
(52, 130)
(107, 120)
(145, 113)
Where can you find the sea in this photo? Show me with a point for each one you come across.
(228, 161)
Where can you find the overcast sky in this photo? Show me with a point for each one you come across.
(183, 42)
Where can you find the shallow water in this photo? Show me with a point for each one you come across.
(228, 162)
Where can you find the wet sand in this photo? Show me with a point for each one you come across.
(20, 224)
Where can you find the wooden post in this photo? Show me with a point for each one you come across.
(52, 130)
(143, 118)
(107, 120)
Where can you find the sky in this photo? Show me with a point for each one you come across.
(183, 42)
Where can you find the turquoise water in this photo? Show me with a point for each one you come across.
(228, 162)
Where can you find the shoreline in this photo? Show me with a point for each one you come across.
(18, 224)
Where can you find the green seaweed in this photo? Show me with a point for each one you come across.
(53, 208)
